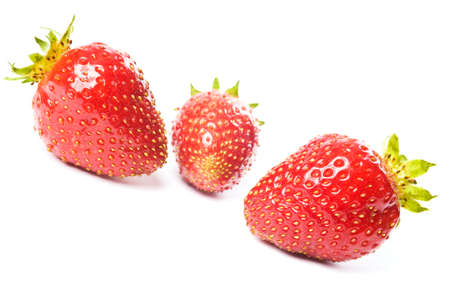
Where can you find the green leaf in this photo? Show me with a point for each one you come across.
(216, 85)
(234, 91)
(417, 193)
(68, 30)
(13, 78)
(261, 123)
(27, 80)
(50, 29)
(21, 71)
(35, 57)
(42, 44)
(194, 91)
(52, 37)
(415, 168)
(402, 159)
(392, 147)
(253, 105)
(413, 206)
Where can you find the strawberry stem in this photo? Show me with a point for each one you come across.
(404, 172)
(42, 64)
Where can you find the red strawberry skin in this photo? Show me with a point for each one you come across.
(95, 110)
(214, 138)
(333, 199)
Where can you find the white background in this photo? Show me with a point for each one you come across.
(362, 68)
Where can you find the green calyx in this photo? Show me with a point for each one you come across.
(233, 91)
(404, 173)
(52, 50)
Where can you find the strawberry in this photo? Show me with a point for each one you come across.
(214, 138)
(335, 199)
(94, 109)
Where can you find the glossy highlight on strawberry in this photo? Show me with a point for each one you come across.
(334, 199)
(214, 138)
(94, 109)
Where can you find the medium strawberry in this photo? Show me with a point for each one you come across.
(94, 109)
(335, 199)
(214, 138)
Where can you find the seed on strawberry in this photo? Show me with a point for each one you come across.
(214, 138)
(335, 199)
(94, 109)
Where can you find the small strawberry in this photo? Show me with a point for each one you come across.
(94, 109)
(214, 138)
(335, 199)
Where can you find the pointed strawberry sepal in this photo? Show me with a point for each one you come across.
(404, 172)
(194, 91)
(216, 85)
(233, 92)
(42, 64)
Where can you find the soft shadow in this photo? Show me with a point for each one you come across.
(150, 181)
(302, 257)
(359, 265)
(78, 168)
(210, 195)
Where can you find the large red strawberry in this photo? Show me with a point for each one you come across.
(94, 109)
(214, 138)
(335, 199)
